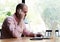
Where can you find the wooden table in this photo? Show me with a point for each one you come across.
(27, 39)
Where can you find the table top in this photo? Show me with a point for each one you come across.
(27, 39)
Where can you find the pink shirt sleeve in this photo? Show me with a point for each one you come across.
(27, 33)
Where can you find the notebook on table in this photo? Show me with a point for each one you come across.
(39, 38)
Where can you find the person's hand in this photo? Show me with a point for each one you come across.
(39, 35)
(22, 14)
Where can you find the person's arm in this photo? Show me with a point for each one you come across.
(28, 33)
(31, 34)
(15, 30)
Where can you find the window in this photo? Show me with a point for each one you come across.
(7, 8)
(43, 14)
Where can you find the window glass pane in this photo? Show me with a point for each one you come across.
(43, 14)
(7, 8)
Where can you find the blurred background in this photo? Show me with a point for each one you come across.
(42, 14)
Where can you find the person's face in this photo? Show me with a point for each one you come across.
(25, 9)
(22, 12)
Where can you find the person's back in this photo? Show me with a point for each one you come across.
(5, 32)
(10, 28)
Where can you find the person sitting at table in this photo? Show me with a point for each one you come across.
(14, 26)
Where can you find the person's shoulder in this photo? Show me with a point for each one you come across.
(9, 17)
